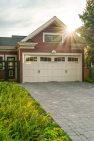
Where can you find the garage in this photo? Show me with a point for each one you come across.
(45, 68)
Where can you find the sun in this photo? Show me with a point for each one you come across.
(70, 29)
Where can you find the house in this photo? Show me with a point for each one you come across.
(49, 53)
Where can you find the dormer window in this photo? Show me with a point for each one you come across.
(52, 37)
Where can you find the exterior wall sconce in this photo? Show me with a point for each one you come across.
(53, 52)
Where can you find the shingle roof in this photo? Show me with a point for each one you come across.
(10, 42)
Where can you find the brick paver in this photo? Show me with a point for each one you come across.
(71, 104)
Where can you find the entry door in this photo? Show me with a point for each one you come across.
(11, 67)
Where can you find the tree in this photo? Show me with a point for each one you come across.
(87, 30)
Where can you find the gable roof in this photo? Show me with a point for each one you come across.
(54, 19)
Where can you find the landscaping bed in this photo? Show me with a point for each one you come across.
(23, 119)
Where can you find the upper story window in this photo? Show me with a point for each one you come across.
(52, 37)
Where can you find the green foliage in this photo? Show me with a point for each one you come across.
(90, 80)
(23, 119)
(87, 30)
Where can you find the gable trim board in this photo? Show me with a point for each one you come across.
(55, 61)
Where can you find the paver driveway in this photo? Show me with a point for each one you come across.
(71, 104)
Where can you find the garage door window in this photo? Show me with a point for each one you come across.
(59, 59)
(45, 59)
(72, 59)
(29, 59)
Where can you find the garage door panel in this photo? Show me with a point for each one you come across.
(52, 71)
(30, 73)
(69, 66)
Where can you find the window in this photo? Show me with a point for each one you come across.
(11, 73)
(46, 59)
(11, 63)
(1, 62)
(30, 59)
(11, 58)
(59, 59)
(72, 59)
(52, 37)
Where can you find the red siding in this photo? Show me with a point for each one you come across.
(48, 47)
(2, 74)
(8, 52)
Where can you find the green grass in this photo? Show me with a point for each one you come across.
(23, 119)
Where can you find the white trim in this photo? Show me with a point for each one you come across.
(42, 28)
(1, 55)
(27, 47)
(10, 56)
(28, 62)
(8, 50)
(50, 54)
(53, 33)
(30, 44)
(19, 54)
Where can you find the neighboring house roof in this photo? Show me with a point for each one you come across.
(54, 19)
(10, 42)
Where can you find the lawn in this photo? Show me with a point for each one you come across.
(23, 119)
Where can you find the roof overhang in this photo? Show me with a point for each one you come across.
(26, 44)
(7, 47)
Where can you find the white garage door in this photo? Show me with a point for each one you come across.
(52, 68)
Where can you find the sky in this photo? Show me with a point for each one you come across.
(21, 17)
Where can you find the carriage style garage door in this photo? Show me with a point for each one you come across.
(52, 68)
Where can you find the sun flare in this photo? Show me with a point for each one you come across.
(70, 29)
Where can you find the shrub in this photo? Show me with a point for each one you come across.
(23, 119)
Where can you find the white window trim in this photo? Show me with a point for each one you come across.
(10, 56)
(50, 54)
(61, 59)
(73, 61)
(47, 59)
(29, 62)
(2, 56)
(49, 33)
